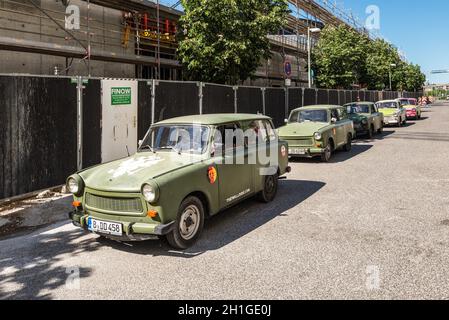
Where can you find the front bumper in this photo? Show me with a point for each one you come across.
(412, 114)
(361, 128)
(132, 231)
(391, 120)
(305, 152)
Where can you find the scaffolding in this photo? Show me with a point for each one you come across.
(144, 35)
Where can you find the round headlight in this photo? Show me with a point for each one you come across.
(73, 186)
(149, 192)
(364, 121)
(318, 136)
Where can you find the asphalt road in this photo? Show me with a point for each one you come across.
(373, 224)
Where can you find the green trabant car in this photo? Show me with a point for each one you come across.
(186, 169)
(318, 131)
(367, 119)
(393, 112)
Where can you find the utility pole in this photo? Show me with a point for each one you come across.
(158, 54)
(309, 51)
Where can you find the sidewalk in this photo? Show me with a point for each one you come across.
(30, 214)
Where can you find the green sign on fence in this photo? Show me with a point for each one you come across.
(120, 96)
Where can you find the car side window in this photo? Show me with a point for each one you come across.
(228, 137)
(271, 133)
(342, 114)
(334, 114)
(255, 131)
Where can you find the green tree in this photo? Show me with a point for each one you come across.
(378, 64)
(343, 57)
(339, 57)
(223, 41)
(409, 77)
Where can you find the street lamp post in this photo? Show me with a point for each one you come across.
(309, 52)
(393, 65)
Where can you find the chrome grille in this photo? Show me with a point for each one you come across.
(301, 142)
(132, 205)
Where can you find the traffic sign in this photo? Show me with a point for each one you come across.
(288, 68)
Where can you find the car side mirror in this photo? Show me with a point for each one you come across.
(285, 120)
(140, 143)
(334, 120)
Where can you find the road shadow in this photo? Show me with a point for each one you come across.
(378, 136)
(338, 156)
(231, 224)
(422, 136)
(36, 269)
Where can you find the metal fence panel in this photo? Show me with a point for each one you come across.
(354, 96)
(362, 95)
(218, 99)
(275, 105)
(144, 108)
(348, 96)
(92, 116)
(175, 99)
(249, 100)
(309, 97)
(322, 96)
(39, 133)
(333, 97)
(294, 99)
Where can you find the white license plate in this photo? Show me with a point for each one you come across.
(296, 151)
(105, 227)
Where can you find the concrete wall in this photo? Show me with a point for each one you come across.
(30, 24)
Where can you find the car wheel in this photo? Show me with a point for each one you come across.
(381, 130)
(370, 132)
(348, 145)
(188, 225)
(270, 188)
(327, 154)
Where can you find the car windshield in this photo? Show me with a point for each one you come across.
(387, 105)
(404, 102)
(412, 102)
(191, 139)
(358, 108)
(309, 116)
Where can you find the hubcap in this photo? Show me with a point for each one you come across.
(328, 152)
(269, 184)
(190, 222)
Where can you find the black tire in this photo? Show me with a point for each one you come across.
(371, 132)
(190, 214)
(270, 189)
(381, 129)
(348, 145)
(327, 154)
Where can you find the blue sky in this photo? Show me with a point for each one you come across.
(420, 29)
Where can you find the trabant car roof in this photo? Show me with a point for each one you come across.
(319, 106)
(359, 102)
(384, 101)
(214, 119)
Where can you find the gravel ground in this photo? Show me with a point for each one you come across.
(373, 224)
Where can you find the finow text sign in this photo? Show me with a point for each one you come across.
(121, 96)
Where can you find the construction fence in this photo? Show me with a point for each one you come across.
(53, 126)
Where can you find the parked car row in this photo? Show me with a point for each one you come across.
(190, 168)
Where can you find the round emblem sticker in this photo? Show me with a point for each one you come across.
(212, 174)
(283, 151)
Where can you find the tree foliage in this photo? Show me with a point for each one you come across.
(223, 41)
(344, 58)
